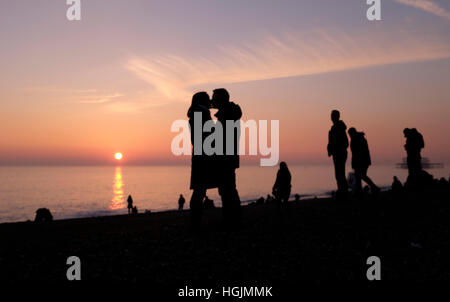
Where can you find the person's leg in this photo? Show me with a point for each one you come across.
(286, 195)
(358, 177)
(339, 165)
(369, 181)
(196, 205)
(231, 203)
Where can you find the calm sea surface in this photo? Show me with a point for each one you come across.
(92, 191)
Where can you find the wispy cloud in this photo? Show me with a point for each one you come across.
(428, 6)
(320, 51)
(78, 96)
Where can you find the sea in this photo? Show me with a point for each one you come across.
(89, 191)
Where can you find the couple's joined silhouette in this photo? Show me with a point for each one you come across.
(215, 171)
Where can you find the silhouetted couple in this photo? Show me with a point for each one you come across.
(337, 148)
(217, 170)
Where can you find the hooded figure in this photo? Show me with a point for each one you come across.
(414, 145)
(360, 150)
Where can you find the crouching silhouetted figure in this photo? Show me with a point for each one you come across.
(43, 215)
(337, 148)
(361, 160)
(282, 187)
(134, 211)
(181, 202)
(130, 204)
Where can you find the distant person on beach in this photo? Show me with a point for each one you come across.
(282, 187)
(414, 145)
(43, 215)
(228, 163)
(202, 169)
(134, 210)
(181, 202)
(130, 204)
(337, 148)
(361, 159)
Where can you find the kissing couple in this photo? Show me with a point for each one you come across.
(217, 170)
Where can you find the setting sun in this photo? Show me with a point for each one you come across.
(118, 156)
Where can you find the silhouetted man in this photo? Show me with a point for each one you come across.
(181, 202)
(414, 144)
(361, 159)
(229, 161)
(337, 147)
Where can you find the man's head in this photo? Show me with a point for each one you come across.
(220, 97)
(406, 132)
(335, 116)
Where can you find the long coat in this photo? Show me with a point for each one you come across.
(233, 113)
(360, 152)
(203, 174)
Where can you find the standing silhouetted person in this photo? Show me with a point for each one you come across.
(337, 148)
(282, 187)
(130, 204)
(202, 174)
(414, 144)
(361, 159)
(181, 202)
(229, 161)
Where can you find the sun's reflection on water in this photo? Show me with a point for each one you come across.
(118, 200)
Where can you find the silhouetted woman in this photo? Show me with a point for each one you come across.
(202, 171)
(282, 187)
(130, 204)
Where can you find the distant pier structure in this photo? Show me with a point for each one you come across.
(426, 164)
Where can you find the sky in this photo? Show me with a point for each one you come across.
(76, 92)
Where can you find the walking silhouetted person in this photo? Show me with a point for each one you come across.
(337, 148)
(414, 145)
(229, 161)
(361, 159)
(181, 202)
(130, 204)
(282, 187)
(202, 170)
